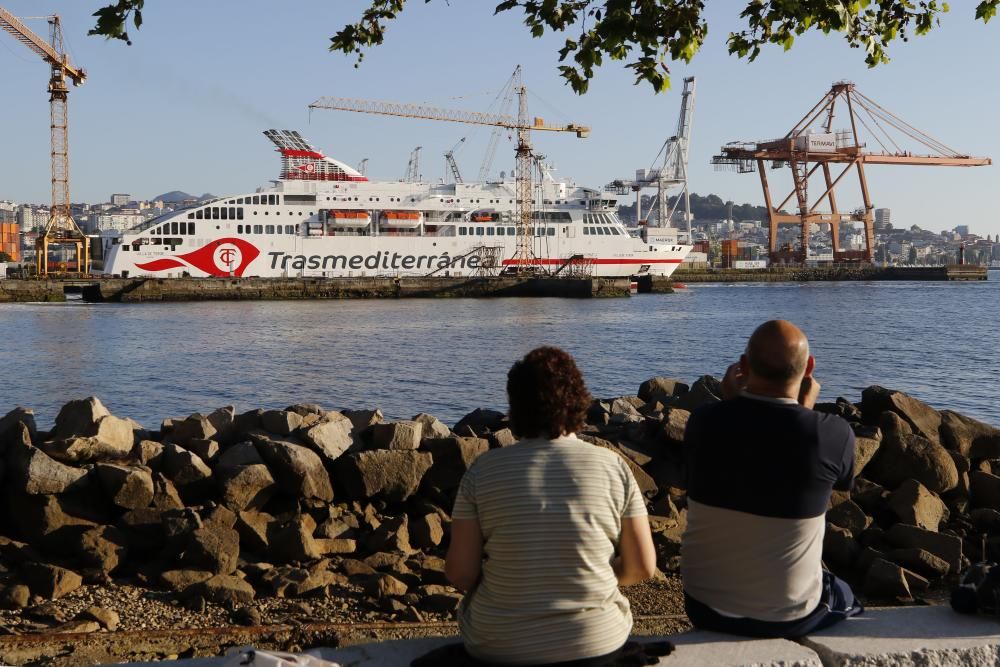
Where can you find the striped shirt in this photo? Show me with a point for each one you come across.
(551, 516)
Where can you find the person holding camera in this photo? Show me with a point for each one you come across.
(762, 465)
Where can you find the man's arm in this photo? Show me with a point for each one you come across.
(636, 561)
(464, 562)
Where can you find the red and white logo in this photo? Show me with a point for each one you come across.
(308, 168)
(223, 257)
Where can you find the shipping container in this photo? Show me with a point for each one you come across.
(816, 143)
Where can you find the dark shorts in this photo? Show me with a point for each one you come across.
(836, 604)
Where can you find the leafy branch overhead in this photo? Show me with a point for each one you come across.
(647, 35)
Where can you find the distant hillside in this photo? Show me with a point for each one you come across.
(711, 207)
(177, 196)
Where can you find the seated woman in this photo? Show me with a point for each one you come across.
(545, 530)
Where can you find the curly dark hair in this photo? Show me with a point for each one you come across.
(547, 394)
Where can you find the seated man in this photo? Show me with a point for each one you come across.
(762, 465)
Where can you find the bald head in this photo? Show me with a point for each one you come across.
(778, 353)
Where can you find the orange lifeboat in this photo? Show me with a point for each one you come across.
(407, 219)
(348, 218)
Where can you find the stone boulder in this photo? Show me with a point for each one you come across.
(662, 389)
(903, 456)
(127, 487)
(32, 471)
(886, 581)
(254, 529)
(392, 536)
(195, 427)
(40, 517)
(674, 424)
(362, 419)
(17, 416)
(426, 531)
(280, 422)
(240, 454)
(452, 456)
(50, 581)
(913, 504)
(866, 443)
(481, 421)
(946, 547)
(431, 426)
(502, 438)
(293, 541)
(212, 549)
(706, 389)
(183, 467)
(984, 489)
(383, 585)
(102, 548)
(920, 561)
(850, 516)
(922, 419)
(297, 469)
(225, 590)
(396, 435)
(84, 449)
(393, 475)
(330, 437)
(245, 486)
(89, 418)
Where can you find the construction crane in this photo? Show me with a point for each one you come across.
(671, 172)
(449, 158)
(806, 151)
(413, 166)
(61, 229)
(363, 167)
(524, 259)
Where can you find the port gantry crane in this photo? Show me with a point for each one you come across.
(671, 173)
(524, 259)
(449, 158)
(806, 151)
(61, 229)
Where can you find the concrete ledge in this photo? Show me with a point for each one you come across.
(904, 636)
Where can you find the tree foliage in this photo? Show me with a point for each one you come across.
(648, 34)
(4, 257)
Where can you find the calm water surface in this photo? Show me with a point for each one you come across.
(937, 341)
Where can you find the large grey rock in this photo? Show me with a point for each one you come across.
(903, 456)
(101, 548)
(280, 422)
(297, 469)
(922, 419)
(79, 417)
(927, 635)
(920, 561)
(16, 416)
(389, 474)
(330, 437)
(34, 472)
(849, 516)
(662, 389)
(912, 503)
(362, 419)
(985, 489)
(197, 426)
(705, 390)
(886, 581)
(213, 549)
(480, 421)
(946, 547)
(396, 435)
(225, 590)
(452, 457)
(184, 467)
(292, 541)
(254, 529)
(240, 454)
(127, 487)
(39, 517)
(245, 487)
(50, 581)
(866, 444)
(432, 427)
(90, 419)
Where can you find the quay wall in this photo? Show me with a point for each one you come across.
(136, 290)
(833, 273)
(24, 291)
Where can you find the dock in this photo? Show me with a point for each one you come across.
(145, 290)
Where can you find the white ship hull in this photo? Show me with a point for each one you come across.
(323, 219)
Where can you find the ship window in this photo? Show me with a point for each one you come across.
(190, 216)
(239, 213)
(157, 241)
(510, 231)
(191, 228)
(232, 201)
(551, 231)
(224, 213)
(239, 229)
(480, 231)
(258, 229)
(489, 231)
(269, 229)
(586, 231)
(173, 228)
(183, 228)
(272, 199)
(232, 213)
(124, 248)
(289, 229)
(607, 230)
(215, 213)
(461, 231)
(256, 199)
(198, 215)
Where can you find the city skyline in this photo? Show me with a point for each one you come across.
(183, 108)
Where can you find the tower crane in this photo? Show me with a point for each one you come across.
(413, 166)
(449, 157)
(671, 172)
(524, 259)
(61, 229)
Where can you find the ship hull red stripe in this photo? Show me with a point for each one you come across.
(539, 261)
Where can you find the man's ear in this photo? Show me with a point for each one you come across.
(810, 366)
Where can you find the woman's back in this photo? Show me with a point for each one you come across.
(551, 514)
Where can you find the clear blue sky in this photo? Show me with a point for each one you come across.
(184, 107)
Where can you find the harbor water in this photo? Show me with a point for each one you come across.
(935, 341)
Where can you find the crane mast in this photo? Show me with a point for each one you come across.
(524, 259)
(61, 229)
(449, 158)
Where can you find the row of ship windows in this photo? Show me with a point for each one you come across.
(183, 228)
(601, 231)
(266, 229)
(223, 213)
(499, 231)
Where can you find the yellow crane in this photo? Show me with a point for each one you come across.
(61, 228)
(524, 259)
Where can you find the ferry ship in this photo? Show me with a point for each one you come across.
(322, 218)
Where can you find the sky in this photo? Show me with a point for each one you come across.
(184, 107)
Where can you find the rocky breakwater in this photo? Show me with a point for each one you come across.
(224, 513)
